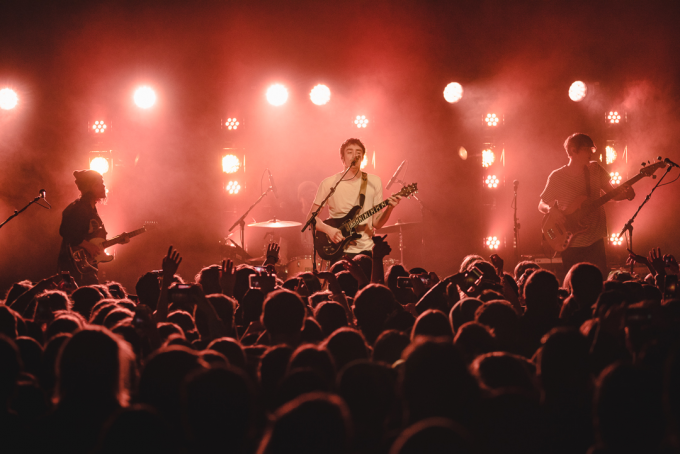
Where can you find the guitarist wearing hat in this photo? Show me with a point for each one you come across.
(81, 222)
(581, 177)
(347, 195)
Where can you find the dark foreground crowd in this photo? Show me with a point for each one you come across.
(354, 360)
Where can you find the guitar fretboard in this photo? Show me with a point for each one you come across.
(119, 239)
(362, 217)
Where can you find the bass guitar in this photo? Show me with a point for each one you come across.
(559, 235)
(85, 263)
(333, 251)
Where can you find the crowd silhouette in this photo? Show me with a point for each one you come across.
(357, 359)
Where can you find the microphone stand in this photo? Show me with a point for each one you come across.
(18, 212)
(312, 219)
(629, 225)
(516, 225)
(242, 220)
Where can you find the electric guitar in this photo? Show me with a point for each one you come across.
(85, 263)
(332, 251)
(559, 235)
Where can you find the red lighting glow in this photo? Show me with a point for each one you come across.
(99, 127)
(231, 124)
(615, 239)
(145, 97)
(613, 117)
(492, 242)
(233, 187)
(277, 95)
(578, 91)
(610, 154)
(488, 158)
(8, 99)
(615, 178)
(99, 164)
(491, 181)
(361, 121)
(320, 95)
(491, 119)
(230, 163)
(453, 92)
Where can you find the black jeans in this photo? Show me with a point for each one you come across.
(594, 254)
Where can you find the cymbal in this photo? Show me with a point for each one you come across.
(398, 227)
(275, 224)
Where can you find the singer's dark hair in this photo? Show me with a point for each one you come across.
(352, 141)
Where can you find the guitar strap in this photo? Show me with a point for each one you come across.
(362, 192)
(587, 173)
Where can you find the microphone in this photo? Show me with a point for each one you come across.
(394, 177)
(670, 163)
(43, 193)
(515, 184)
(271, 183)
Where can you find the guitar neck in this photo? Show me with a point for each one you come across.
(616, 192)
(362, 217)
(118, 239)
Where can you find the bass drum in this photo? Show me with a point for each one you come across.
(302, 264)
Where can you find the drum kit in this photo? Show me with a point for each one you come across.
(302, 264)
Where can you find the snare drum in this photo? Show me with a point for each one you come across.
(302, 264)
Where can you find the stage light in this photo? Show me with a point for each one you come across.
(99, 127)
(492, 242)
(8, 99)
(615, 178)
(231, 163)
(277, 95)
(145, 97)
(491, 181)
(578, 91)
(99, 164)
(320, 95)
(488, 157)
(491, 119)
(615, 239)
(233, 187)
(453, 92)
(361, 121)
(232, 124)
(610, 154)
(462, 152)
(613, 117)
(364, 162)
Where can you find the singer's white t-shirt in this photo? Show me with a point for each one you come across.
(346, 196)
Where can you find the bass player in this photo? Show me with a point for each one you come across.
(578, 178)
(346, 196)
(80, 222)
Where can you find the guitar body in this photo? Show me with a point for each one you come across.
(328, 250)
(558, 235)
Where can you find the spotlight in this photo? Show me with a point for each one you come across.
(277, 95)
(578, 91)
(99, 164)
(491, 119)
(492, 242)
(364, 162)
(488, 157)
(320, 95)
(231, 124)
(615, 239)
(610, 154)
(233, 187)
(361, 121)
(145, 97)
(8, 99)
(231, 163)
(99, 127)
(613, 117)
(453, 92)
(615, 178)
(491, 181)
(462, 153)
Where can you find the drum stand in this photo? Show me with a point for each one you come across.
(242, 220)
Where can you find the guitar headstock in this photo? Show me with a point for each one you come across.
(150, 225)
(649, 169)
(408, 190)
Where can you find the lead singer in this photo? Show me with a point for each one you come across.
(346, 196)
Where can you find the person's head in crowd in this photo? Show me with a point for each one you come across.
(337, 267)
(634, 291)
(283, 317)
(16, 290)
(489, 295)
(185, 321)
(299, 381)
(651, 293)
(433, 436)
(93, 369)
(541, 292)
(311, 332)
(316, 358)
(209, 279)
(404, 295)
(167, 329)
(242, 284)
(463, 311)
(84, 299)
(64, 323)
(213, 358)
(48, 371)
(389, 346)
(53, 301)
(219, 408)
(116, 290)
(497, 370)
(434, 381)
(251, 306)
(231, 349)
(312, 423)
(103, 289)
(319, 297)
(584, 282)
(501, 317)
(365, 263)
(11, 367)
(432, 323)
(8, 322)
(177, 339)
(271, 369)
(368, 389)
(116, 315)
(348, 283)
(31, 354)
(346, 345)
(608, 300)
(563, 367)
(100, 311)
(126, 304)
(309, 284)
(372, 307)
(138, 428)
(331, 316)
(148, 289)
(628, 415)
(522, 266)
(474, 339)
(469, 261)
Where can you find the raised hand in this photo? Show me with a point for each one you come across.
(272, 254)
(657, 262)
(355, 270)
(497, 263)
(170, 264)
(227, 277)
(381, 248)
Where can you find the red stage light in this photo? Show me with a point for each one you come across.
(277, 95)
(613, 117)
(231, 124)
(491, 119)
(491, 181)
(453, 92)
(615, 178)
(488, 158)
(233, 187)
(99, 127)
(230, 163)
(8, 99)
(578, 91)
(144, 97)
(99, 164)
(320, 95)
(492, 242)
(615, 239)
(361, 121)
